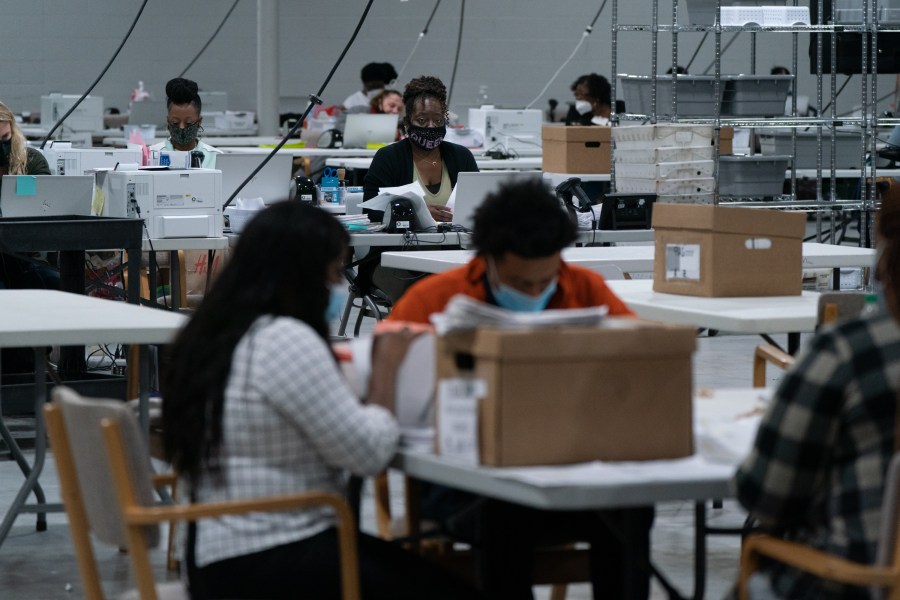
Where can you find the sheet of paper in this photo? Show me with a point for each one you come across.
(26, 185)
(457, 421)
(416, 195)
(414, 407)
(451, 201)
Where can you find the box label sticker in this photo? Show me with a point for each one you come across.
(458, 418)
(26, 185)
(683, 262)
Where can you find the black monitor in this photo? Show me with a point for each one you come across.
(849, 47)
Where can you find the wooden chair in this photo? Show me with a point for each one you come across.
(553, 565)
(105, 483)
(833, 306)
(884, 575)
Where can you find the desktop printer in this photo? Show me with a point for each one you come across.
(87, 117)
(174, 203)
(66, 160)
(514, 129)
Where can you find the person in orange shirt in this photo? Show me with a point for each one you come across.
(519, 233)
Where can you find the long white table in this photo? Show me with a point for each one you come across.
(40, 318)
(527, 163)
(761, 315)
(631, 259)
(719, 414)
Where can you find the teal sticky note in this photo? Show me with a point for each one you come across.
(26, 185)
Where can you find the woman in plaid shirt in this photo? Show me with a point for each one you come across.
(255, 405)
(817, 468)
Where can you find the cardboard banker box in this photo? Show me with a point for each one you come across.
(567, 395)
(575, 149)
(706, 250)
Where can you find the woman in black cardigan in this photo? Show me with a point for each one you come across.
(423, 156)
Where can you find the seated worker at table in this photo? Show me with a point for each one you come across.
(255, 404)
(593, 101)
(519, 233)
(184, 122)
(375, 77)
(423, 155)
(17, 158)
(816, 473)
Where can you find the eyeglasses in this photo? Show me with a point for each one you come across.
(423, 121)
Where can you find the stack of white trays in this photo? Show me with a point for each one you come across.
(675, 162)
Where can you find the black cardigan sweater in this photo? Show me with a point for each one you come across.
(393, 165)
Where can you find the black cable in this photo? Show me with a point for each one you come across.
(462, 15)
(313, 100)
(836, 94)
(696, 52)
(215, 33)
(99, 77)
(419, 39)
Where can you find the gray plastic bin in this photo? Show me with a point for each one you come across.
(848, 147)
(755, 95)
(752, 176)
(695, 95)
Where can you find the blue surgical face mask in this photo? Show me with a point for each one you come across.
(512, 299)
(337, 299)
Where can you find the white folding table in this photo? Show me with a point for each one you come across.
(40, 318)
(631, 259)
(604, 485)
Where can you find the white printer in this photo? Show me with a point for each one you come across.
(515, 129)
(66, 160)
(87, 117)
(174, 203)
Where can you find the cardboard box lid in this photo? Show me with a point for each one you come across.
(581, 133)
(620, 337)
(729, 219)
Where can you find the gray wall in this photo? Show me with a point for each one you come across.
(510, 46)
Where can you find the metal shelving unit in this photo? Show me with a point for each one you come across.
(826, 204)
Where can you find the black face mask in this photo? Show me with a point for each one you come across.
(426, 138)
(5, 151)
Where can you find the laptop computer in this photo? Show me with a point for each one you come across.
(472, 188)
(272, 183)
(148, 112)
(360, 130)
(46, 195)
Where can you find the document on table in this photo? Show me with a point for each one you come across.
(464, 312)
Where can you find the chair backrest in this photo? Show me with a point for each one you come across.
(81, 418)
(839, 305)
(890, 516)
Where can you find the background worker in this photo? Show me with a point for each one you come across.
(183, 120)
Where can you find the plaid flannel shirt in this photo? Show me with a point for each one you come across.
(290, 424)
(816, 471)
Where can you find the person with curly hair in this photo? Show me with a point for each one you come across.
(423, 155)
(184, 122)
(375, 77)
(593, 101)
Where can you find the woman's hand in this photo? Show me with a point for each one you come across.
(439, 213)
(388, 350)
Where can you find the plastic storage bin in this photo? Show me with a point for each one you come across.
(696, 97)
(848, 147)
(703, 12)
(666, 187)
(752, 176)
(659, 155)
(755, 95)
(666, 170)
(699, 198)
(653, 137)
